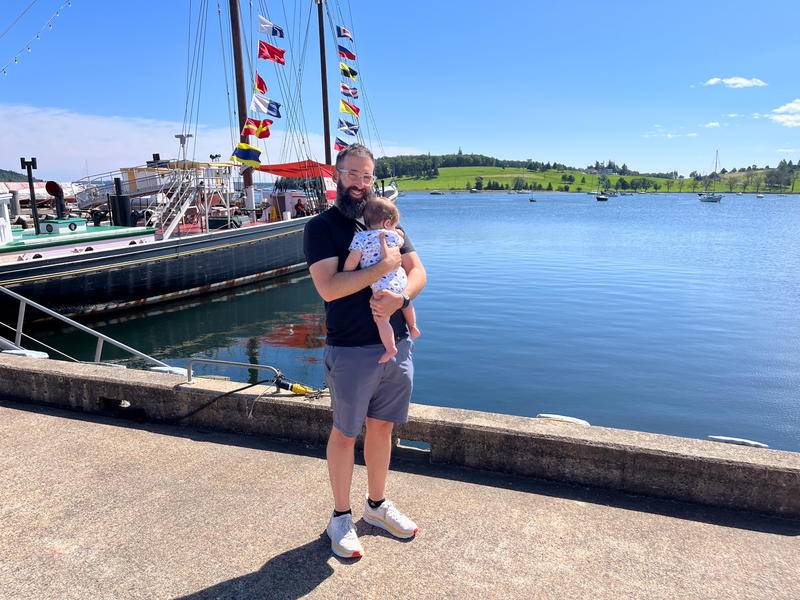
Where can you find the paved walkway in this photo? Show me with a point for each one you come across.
(95, 508)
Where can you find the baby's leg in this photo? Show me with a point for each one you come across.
(387, 337)
(411, 320)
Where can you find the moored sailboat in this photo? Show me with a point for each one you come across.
(183, 227)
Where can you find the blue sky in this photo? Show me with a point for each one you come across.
(656, 85)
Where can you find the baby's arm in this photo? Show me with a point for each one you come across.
(352, 260)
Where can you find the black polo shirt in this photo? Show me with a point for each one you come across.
(348, 319)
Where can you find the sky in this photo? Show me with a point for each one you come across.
(658, 86)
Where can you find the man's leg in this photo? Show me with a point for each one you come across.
(377, 453)
(340, 467)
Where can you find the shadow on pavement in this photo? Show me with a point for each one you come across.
(290, 575)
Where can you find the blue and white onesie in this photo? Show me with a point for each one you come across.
(369, 244)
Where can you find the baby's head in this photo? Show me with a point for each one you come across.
(380, 213)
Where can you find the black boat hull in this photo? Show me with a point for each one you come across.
(127, 277)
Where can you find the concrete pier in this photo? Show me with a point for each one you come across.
(100, 508)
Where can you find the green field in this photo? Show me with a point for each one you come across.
(457, 178)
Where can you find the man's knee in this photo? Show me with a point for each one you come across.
(339, 439)
(378, 427)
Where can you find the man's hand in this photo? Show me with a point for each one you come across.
(390, 257)
(385, 303)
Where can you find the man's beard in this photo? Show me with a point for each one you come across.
(350, 207)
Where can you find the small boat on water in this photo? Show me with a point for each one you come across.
(601, 197)
(436, 193)
(759, 195)
(183, 227)
(709, 197)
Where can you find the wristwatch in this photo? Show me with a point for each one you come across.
(406, 300)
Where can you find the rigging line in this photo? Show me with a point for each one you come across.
(296, 122)
(22, 14)
(225, 65)
(191, 68)
(203, 25)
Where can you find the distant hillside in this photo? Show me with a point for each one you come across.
(13, 176)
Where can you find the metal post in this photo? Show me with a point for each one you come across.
(20, 320)
(29, 165)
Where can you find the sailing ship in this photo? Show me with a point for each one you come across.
(182, 227)
(707, 195)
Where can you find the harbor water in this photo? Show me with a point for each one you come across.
(657, 313)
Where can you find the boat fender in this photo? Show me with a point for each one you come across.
(738, 441)
(564, 418)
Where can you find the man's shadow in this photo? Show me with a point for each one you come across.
(290, 575)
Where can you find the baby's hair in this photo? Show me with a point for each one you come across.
(379, 210)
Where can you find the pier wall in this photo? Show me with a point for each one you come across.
(705, 472)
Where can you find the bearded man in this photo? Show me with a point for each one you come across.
(362, 390)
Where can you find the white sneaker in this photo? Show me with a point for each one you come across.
(344, 541)
(387, 517)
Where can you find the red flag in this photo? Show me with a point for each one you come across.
(259, 85)
(271, 52)
(258, 128)
(345, 53)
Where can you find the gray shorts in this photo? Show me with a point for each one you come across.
(361, 387)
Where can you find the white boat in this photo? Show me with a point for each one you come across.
(709, 196)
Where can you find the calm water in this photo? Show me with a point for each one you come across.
(656, 313)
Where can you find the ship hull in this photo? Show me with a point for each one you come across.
(161, 271)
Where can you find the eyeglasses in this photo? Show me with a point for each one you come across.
(353, 176)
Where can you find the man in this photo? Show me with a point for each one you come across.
(362, 390)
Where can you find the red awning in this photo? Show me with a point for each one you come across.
(304, 168)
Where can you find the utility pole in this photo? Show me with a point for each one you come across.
(29, 165)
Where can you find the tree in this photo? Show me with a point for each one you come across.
(479, 183)
(549, 186)
(694, 184)
(669, 183)
(681, 181)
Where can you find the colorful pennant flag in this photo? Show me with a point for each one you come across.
(259, 85)
(340, 145)
(348, 127)
(258, 128)
(342, 32)
(247, 154)
(345, 53)
(348, 71)
(265, 105)
(348, 108)
(349, 91)
(269, 52)
(265, 26)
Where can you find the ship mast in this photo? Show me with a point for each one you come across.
(241, 98)
(326, 122)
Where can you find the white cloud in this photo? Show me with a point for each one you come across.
(66, 144)
(787, 115)
(711, 124)
(733, 115)
(661, 133)
(691, 135)
(736, 82)
(788, 150)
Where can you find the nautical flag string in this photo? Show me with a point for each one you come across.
(260, 85)
(270, 52)
(265, 26)
(349, 91)
(265, 105)
(348, 108)
(247, 154)
(342, 32)
(345, 53)
(258, 128)
(340, 145)
(348, 71)
(348, 127)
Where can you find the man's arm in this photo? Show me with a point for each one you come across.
(333, 284)
(385, 303)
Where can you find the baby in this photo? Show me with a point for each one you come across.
(382, 217)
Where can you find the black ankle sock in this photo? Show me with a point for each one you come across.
(339, 513)
(375, 503)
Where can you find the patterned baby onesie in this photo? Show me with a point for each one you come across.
(369, 244)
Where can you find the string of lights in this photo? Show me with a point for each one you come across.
(27, 47)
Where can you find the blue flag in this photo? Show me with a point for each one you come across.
(265, 105)
(342, 32)
(340, 145)
(247, 154)
(347, 127)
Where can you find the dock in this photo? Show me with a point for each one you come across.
(98, 504)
